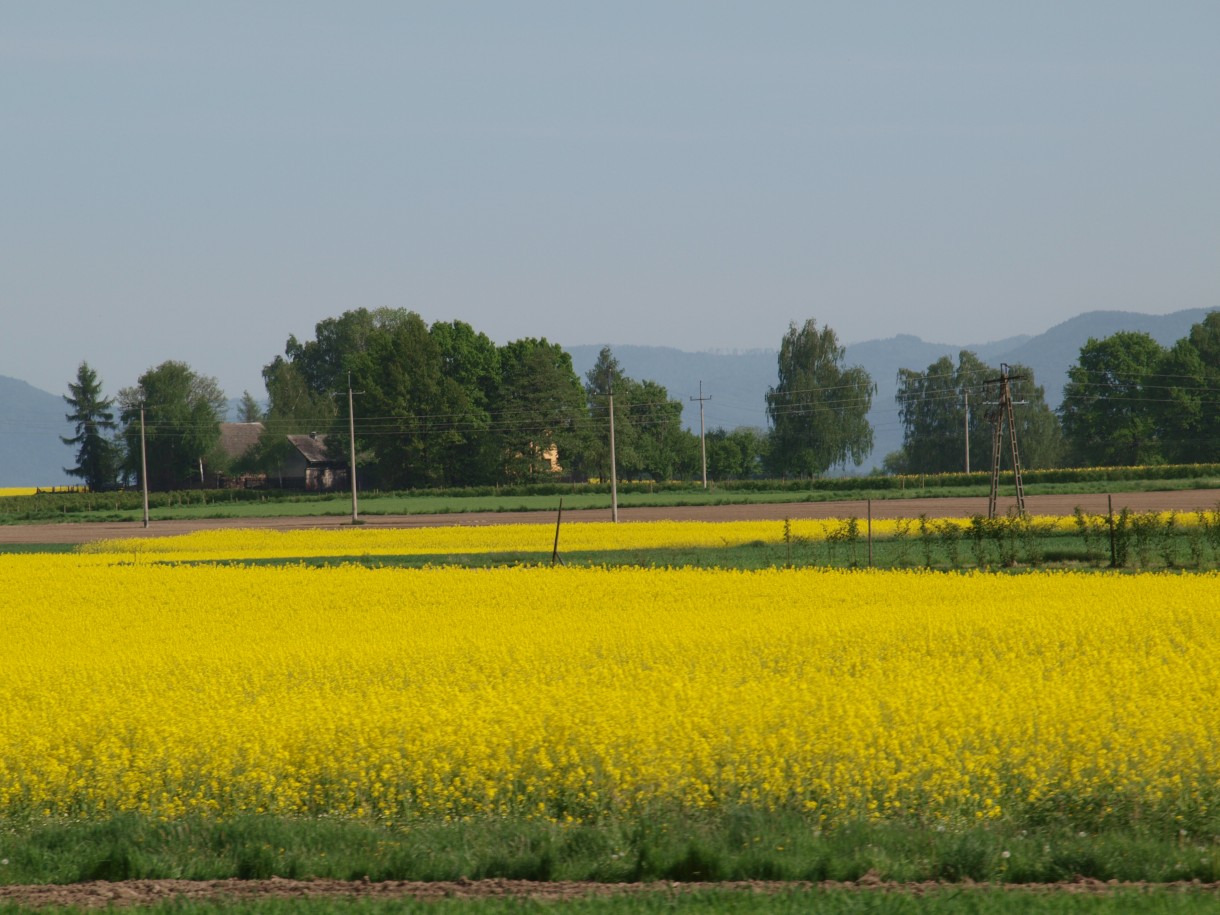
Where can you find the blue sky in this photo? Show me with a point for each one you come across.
(198, 181)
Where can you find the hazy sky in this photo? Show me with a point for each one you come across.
(197, 181)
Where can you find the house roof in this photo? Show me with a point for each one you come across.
(238, 438)
(312, 448)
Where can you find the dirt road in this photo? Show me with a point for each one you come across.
(130, 893)
(83, 532)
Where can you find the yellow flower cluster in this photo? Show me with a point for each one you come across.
(17, 491)
(585, 693)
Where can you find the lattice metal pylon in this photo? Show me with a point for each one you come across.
(999, 417)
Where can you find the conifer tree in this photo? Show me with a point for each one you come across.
(97, 455)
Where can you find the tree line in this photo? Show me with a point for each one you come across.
(443, 405)
(1128, 401)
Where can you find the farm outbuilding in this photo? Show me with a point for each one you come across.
(309, 467)
(305, 464)
(238, 439)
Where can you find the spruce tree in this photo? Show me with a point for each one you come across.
(97, 457)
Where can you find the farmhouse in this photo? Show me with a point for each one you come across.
(304, 463)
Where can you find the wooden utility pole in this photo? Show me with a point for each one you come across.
(966, 398)
(702, 442)
(351, 441)
(999, 417)
(351, 433)
(613, 465)
(143, 464)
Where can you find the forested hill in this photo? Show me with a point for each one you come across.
(31, 422)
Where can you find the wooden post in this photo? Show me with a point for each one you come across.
(870, 533)
(555, 550)
(613, 465)
(143, 464)
(1110, 513)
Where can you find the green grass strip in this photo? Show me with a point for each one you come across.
(735, 845)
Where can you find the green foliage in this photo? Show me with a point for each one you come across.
(736, 454)
(1188, 409)
(462, 442)
(97, 453)
(294, 409)
(1120, 538)
(181, 424)
(539, 410)
(249, 410)
(649, 440)
(950, 538)
(818, 408)
(437, 406)
(1110, 404)
(934, 405)
(1131, 401)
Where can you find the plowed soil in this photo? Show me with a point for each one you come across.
(1182, 501)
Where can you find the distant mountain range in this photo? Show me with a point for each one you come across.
(735, 383)
(31, 422)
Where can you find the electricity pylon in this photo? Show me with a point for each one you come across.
(1001, 415)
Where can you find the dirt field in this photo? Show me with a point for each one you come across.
(1182, 501)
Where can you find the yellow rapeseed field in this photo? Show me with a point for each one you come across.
(495, 538)
(573, 537)
(501, 538)
(446, 693)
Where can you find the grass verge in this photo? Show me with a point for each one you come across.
(734, 845)
(798, 901)
(188, 505)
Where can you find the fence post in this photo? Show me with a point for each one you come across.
(1110, 515)
(870, 533)
(555, 550)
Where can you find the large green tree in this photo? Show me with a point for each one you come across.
(182, 414)
(470, 380)
(424, 395)
(401, 413)
(1111, 410)
(540, 410)
(736, 454)
(97, 455)
(342, 345)
(249, 410)
(1187, 395)
(933, 404)
(818, 410)
(663, 449)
